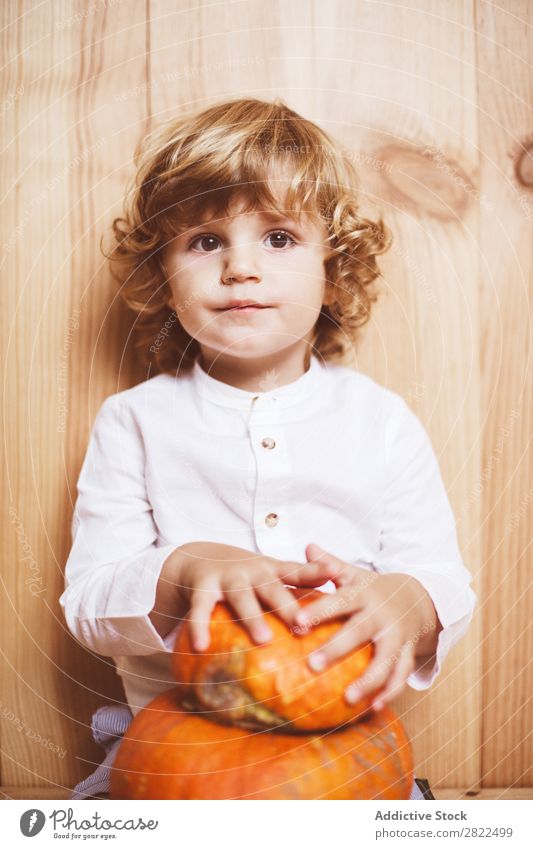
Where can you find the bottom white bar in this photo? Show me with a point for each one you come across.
(264, 825)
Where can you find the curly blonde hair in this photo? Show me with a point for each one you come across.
(207, 159)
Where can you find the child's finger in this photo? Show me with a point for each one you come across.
(356, 631)
(279, 600)
(245, 604)
(306, 574)
(396, 682)
(203, 601)
(345, 601)
(344, 573)
(379, 668)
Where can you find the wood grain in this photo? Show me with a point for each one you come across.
(520, 794)
(423, 338)
(506, 286)
(70, 138)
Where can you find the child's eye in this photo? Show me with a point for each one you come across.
(284, 236)
(201, 240)
(206, 243)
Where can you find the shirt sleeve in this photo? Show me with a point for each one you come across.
(419, 536)
(114, 564)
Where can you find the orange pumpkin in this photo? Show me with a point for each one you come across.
(168, 753)
(269, 685)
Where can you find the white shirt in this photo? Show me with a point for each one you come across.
(331, 458)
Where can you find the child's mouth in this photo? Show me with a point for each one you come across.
(245, 309)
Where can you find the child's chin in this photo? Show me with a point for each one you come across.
(251, 349)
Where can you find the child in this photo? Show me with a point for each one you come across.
(253, 460)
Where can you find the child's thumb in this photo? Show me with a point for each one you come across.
(315, 552)
(330, 566)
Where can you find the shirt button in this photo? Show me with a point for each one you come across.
(267, 442)
(271, 519)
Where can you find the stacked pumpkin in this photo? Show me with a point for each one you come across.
(254, 722)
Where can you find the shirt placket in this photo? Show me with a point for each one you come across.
(271, 512)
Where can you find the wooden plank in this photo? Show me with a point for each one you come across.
(399, 90)
(505, 86)
(486, 793)
(34, 329)
(43, 792)
(112, 99)
(517, 793)
(69, 139)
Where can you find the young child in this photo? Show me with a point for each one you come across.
(254, 461)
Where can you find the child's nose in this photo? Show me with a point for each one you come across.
(240, 263)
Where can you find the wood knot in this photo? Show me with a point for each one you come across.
(524, 167)
(428, 180)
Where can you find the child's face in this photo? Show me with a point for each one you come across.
(249, 256)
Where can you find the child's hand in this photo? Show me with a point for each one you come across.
(209, 572)
(393, 610)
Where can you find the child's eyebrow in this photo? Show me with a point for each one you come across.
(276, 216)
(263, 213)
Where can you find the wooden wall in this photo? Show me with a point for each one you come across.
(434, 102)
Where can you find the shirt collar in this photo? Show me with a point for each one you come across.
(225, 395)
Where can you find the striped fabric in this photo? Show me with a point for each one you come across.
(108, 725)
